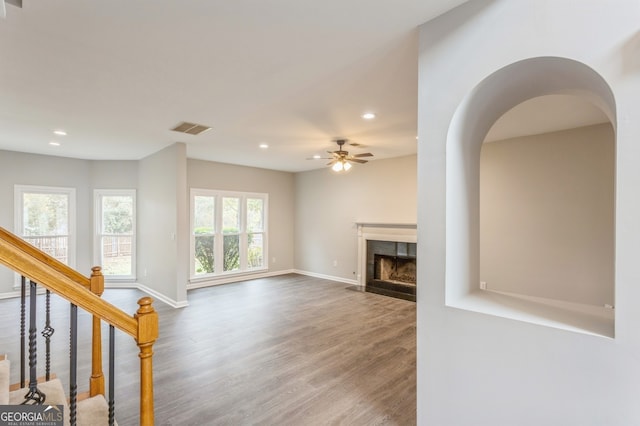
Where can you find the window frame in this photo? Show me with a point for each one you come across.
(18, 204)
(98, 195)
(219, 233)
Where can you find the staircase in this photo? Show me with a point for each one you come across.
(90, 411)
(93, 407)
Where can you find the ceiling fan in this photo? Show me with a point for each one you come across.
(340, 159)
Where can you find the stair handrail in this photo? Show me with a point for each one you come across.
(39, 267)
(44, 257)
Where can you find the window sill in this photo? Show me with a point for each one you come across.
(109, 279)
(233, 276)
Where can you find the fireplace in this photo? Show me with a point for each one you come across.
(391, 269)
(387, 258)
(395, 269)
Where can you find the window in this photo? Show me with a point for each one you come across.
(45, 217)
(228, 232)
(231, 233)
(115, 226)
(203, 224)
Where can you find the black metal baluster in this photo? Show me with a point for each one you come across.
(23, 328)
(73, 382)
(112, 373)
(34, 396)
(47, 333)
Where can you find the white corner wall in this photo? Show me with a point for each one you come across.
(328, 205)
(479, 369)
(163, 232)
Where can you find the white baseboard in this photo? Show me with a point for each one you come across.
(237, 278)
(10, 294)
(163, 298)
(151, 292)
(115, 284)
(208, 283)
(16, 293)
(327, 277)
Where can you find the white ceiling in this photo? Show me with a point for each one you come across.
(295, 74)
(546, 114)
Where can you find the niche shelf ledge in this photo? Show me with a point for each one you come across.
(574, 317)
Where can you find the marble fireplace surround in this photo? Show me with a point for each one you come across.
(380, 231)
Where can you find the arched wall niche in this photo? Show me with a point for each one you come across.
(479, 110)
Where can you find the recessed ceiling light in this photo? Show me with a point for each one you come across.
(54, 143)
(264, 146)
(317, 157)
(60, 132)
(368, 116)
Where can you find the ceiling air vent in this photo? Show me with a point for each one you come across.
(190, 128)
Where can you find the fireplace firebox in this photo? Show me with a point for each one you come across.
(391, 269)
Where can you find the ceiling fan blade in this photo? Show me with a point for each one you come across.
(343, 157)
(14, 2)
(319, 158)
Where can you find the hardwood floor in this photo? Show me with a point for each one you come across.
(287, 350)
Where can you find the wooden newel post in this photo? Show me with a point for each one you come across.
(147, 334)
(96, 383)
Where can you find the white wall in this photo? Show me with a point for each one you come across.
(42, 170)
(83, 175)
(110, 174)
(162, 181)
(163, 231)
(329, 204)
(546, 215)
(279, 186)
(478, 369)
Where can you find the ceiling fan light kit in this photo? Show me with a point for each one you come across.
(341, 166)
(341, 160)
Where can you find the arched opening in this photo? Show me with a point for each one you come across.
(546, 202)
(574, 306)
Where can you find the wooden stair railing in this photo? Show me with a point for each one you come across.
(54, 263)
(37, 266)
(95, 283)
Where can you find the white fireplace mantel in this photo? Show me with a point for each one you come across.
(380, 231)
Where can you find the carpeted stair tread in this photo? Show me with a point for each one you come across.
(90, 412)
(4, 381)
(54, 395)
(93, 411)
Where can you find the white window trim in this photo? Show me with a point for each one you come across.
(20, 190)
(97, 231)
(244, 270)
(18, 211)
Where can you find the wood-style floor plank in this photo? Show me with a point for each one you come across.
(286, 350)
